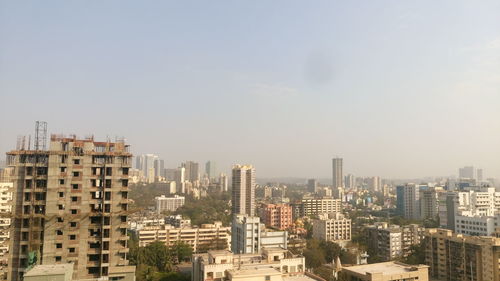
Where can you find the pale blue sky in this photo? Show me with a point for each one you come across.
(397, 88)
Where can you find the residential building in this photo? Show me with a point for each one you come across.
(249, 235)
(375, 184)
(392, 241)
(277, 215)
(272, 264)
(150, 166)
(332, 227)
(223, 182)
(453, 256)
(314, 206)
(408, 204)
(164, 203)
(199, 238)
(385, 271)
(70, 205)
(350, 181)
(243, 193)
(178, 221)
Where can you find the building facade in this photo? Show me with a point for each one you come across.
(392, 241)
(315, 206)
(337, 177)
(408, 204)
(249, 236)
(452, 256)
(385, 271)
(70, 205)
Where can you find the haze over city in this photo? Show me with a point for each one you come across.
(397, 89)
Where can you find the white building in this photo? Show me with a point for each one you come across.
(272, 264)
(164, 203)
(332, 227)
(199, 238)
(243, 193)
(249, 236)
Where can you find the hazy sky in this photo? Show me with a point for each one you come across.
(396, 88)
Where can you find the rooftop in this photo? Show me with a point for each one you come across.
(50, 269)
(386, 268)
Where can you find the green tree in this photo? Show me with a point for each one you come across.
(181, 251)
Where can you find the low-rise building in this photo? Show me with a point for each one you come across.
(385, 271)
(453, 256)
(314, 206)
(332, 227)
(164, 203)
(277, 215)
(208, 236)
(273, 264)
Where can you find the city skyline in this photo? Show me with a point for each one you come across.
(399, 90)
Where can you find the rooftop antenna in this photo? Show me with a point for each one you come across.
(40, 142)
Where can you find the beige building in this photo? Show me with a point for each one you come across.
(272, 264)
(199, 238)
(5, 222)
(243, 193)
(332, 227)
(316, 206)
(385, 271)
(70, 205)
(452, 256)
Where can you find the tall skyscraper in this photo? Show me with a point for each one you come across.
(466, 172)
(192, 171)
(211, 169)
(243, 193)
(408, 201)
(312, 185)
(70, 205)
(337, 177)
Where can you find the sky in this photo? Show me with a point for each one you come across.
(399, 89)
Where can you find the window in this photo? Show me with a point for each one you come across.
(76, 161)
(268, 278)
(58, 245)
(59, 232)
(74, 199)
(63, 169)
(58, 258)
(59, 219)
(61, 194)
(76, 174)
(60, 206)
(75, 186)
(61, 181)
(71, 250)
(72, 237)
(73, 224)
(74, 211)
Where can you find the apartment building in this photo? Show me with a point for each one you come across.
(5, 222)
(332, 227)
(70, 205)
(164, 203)
(314, 206)
(277, 215)
(273, 264)
(199, 238)
(452, 256)
(408, 198)
(393, 241)
(249, 236)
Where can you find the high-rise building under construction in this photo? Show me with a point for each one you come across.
(70, 205)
